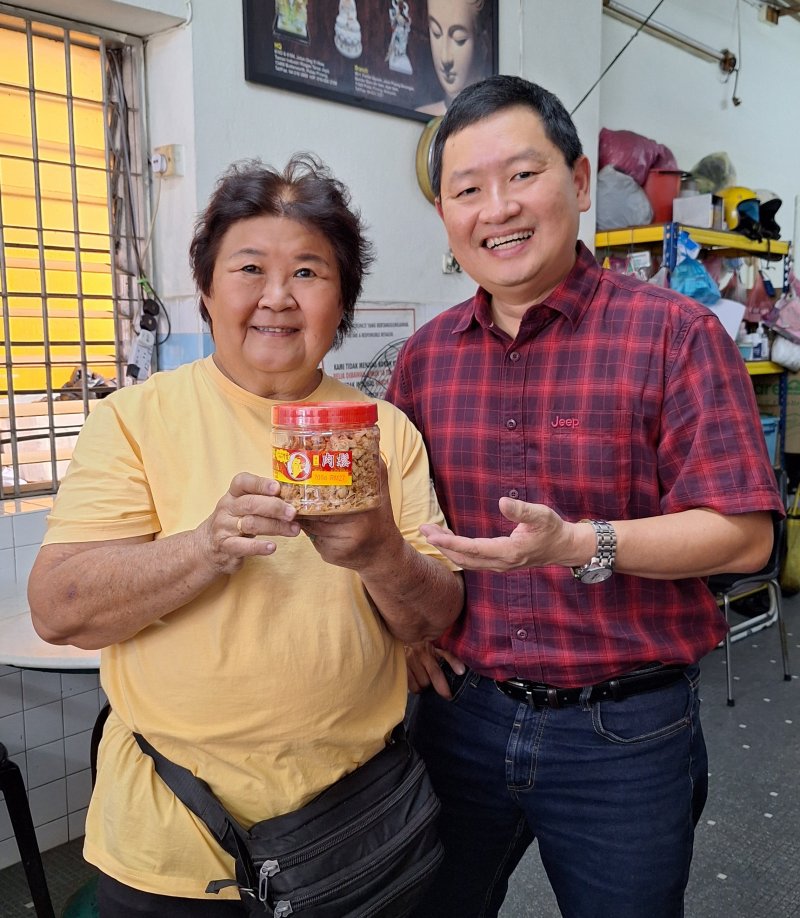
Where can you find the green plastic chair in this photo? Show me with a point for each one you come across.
(83, 902)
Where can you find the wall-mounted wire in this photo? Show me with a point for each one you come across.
(152, 310)
(734, 95)
(616, 57)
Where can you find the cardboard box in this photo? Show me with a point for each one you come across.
(766, 389)
(703, 210)
(769, 426)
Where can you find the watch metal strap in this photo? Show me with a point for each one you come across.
(605, 552)
(606, 542)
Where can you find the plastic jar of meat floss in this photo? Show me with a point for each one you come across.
(326, 456)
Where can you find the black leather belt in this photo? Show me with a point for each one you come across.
(540, 695)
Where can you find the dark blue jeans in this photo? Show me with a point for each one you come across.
(611, 791)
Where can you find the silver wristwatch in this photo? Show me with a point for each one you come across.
(601, 566)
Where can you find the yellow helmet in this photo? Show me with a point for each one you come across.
(741, 209)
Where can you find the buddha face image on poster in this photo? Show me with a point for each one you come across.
(459, 43)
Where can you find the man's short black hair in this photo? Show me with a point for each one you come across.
(494, 94)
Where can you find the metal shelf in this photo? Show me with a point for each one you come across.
(765, 368)
(709, 238)
(762, 367)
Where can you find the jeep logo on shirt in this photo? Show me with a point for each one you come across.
(559, 421)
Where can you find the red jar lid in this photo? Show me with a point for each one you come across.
(325, 414)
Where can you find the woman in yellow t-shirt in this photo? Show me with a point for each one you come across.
(263, 654)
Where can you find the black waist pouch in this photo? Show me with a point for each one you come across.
(366, 847)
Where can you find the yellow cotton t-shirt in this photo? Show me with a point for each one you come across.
(271, 684)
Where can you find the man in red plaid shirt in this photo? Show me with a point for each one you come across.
(596, 448)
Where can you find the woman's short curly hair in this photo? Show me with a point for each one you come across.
(304, 191)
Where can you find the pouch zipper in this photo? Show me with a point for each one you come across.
(270, 867)
(286, 907)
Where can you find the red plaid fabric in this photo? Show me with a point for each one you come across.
(617, 400)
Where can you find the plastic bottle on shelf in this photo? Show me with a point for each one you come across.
(753, 345)
(760, 341)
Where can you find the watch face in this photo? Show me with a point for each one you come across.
(596, 575)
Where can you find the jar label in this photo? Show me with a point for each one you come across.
(313, 467)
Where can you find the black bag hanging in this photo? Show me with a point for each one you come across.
(366, 847)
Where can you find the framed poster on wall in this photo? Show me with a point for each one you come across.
(401, 57)
(367, 356)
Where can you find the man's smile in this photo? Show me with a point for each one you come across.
(497, 242)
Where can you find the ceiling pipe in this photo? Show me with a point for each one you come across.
(725, 59)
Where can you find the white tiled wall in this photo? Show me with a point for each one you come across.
(22, 526)
(46, 719)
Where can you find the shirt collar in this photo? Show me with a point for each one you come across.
(571, 297)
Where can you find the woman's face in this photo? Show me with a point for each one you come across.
(275, 304)
(452, 26)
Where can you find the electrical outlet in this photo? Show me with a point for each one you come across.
(170, 160)
(142, 356)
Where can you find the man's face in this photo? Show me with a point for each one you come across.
(511, 205)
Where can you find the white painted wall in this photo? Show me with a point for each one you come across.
(681, 101)
(137, 18)
(170, 102)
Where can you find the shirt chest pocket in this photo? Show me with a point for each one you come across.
(586, 460)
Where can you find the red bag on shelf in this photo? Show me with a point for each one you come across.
(633, 154)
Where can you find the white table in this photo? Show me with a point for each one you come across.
(21, 646)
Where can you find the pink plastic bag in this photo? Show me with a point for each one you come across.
(714, 265)
(735, 289)
(784, 317)
(633, 154)
(759, 302)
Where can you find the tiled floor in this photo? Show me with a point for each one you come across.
(747, 854)
(66, 873)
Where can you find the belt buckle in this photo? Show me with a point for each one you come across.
(616, 690)
(509, 687)
(527, 691)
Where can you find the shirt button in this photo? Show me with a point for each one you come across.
(511, 424)
(513, 493)
(514, 355)
(522, 634)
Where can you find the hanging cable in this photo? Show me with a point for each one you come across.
(146, 321)
(149, 238)
(617, 57)
(734, 97)
(181, 25)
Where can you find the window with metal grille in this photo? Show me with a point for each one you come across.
(71, 202)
